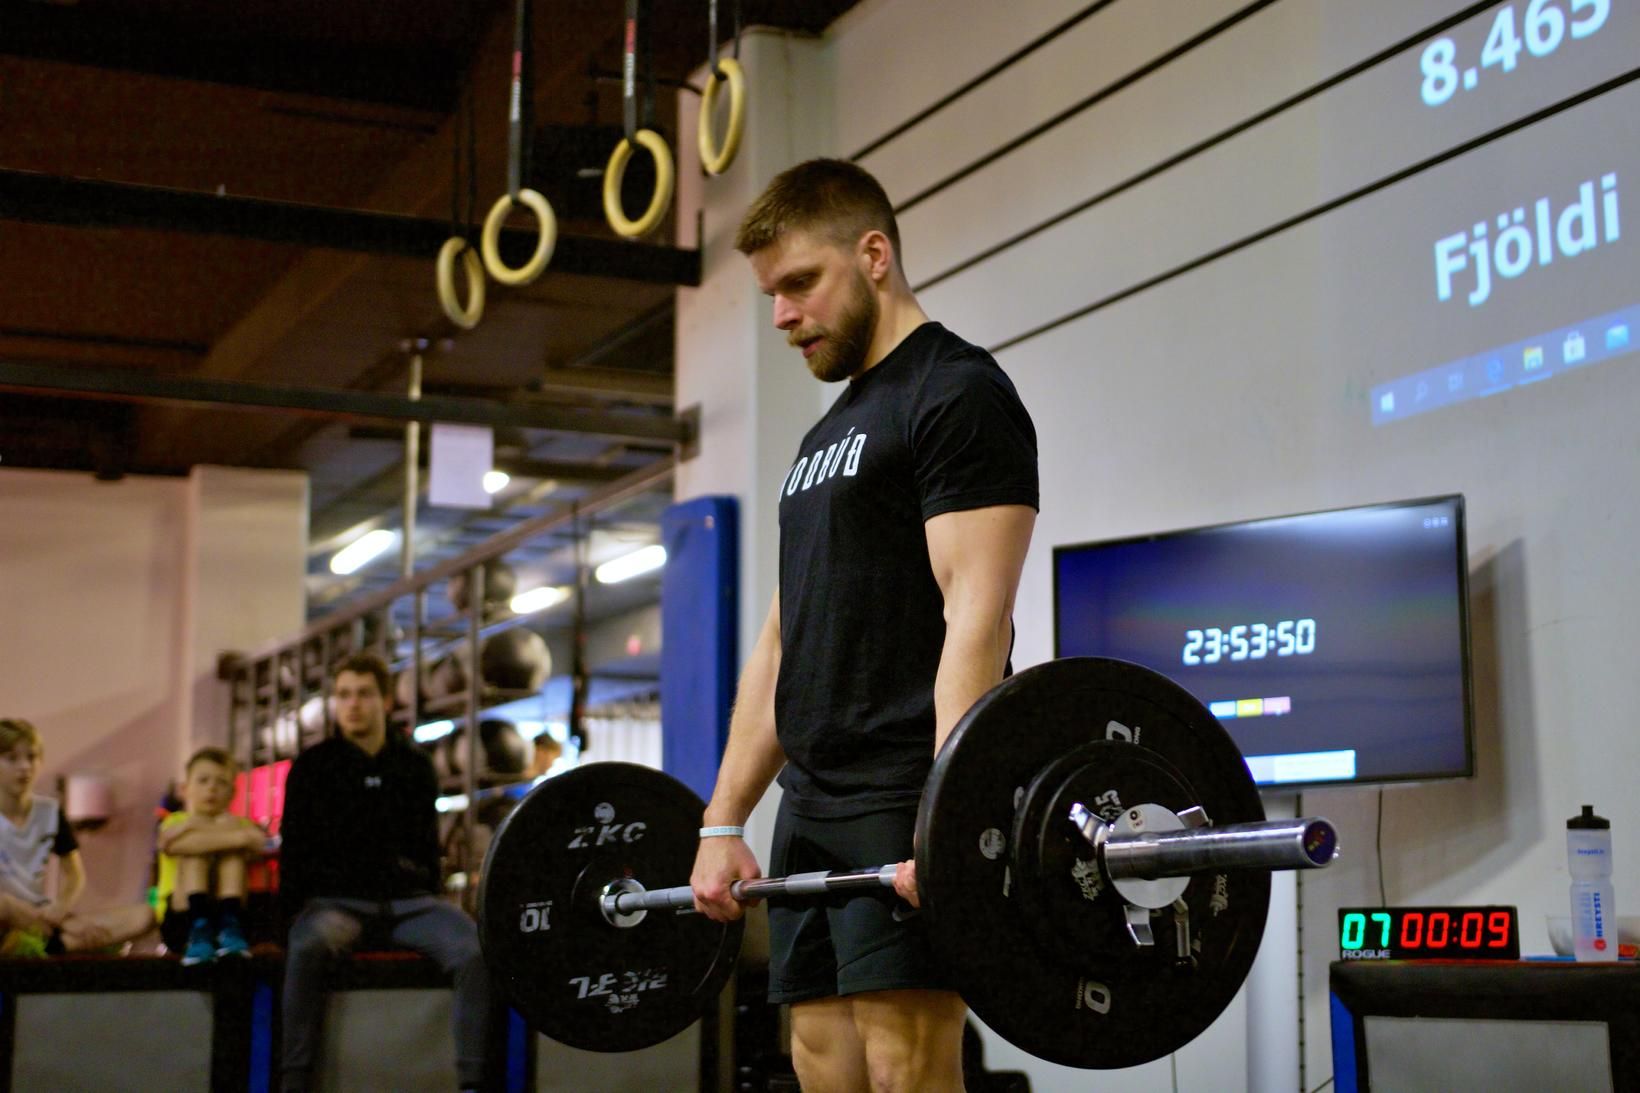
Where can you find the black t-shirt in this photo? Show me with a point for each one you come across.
(935, 427)
(359, 825)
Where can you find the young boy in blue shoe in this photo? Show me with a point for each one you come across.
(203, 851)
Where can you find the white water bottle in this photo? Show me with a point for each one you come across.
(1589, 860)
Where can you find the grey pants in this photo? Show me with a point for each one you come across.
(329, 927)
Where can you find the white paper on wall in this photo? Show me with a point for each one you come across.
(460, 456)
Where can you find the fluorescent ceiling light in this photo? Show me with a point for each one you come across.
(456, 803)
(496, 481)
(639, 562)
(361, 551)
(433, 730)
(538, 599)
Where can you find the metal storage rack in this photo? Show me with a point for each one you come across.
(278, 694)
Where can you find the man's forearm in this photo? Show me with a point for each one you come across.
(977, 556)
(752, 757)
(971, 663)
(750, 762)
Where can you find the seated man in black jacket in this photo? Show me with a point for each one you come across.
(360, 859)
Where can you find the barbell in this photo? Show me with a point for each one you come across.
(1093, 864)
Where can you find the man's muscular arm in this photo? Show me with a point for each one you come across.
(751, 760)
(977, 556)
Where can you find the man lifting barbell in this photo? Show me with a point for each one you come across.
(904, 522)
(1089, 847)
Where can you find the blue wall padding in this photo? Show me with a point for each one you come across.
(261, 1038)
(1343, 1045)
(518, 1053)
(700, 626)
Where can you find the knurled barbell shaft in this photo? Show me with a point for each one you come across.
(798, 884)
(1273, 844)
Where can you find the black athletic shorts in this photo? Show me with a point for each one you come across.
(851, 942)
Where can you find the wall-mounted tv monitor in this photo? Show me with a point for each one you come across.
(1334, 646)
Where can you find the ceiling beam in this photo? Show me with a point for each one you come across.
(211, 45)
(581, 385)
(130, 385)
(93, 203)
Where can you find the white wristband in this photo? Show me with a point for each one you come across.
(723, 829)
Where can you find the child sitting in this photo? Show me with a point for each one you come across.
(32, 830)
(203, 850)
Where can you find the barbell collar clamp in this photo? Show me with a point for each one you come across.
(1138, 926)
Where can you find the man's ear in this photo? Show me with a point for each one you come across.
(876, 255)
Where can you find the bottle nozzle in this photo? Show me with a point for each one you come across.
(1588, 821)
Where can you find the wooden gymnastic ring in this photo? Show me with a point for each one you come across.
(491, 238)
(616, 170)
(717, 160)
(464, 317)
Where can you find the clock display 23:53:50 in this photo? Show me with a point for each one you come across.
(1254, 641)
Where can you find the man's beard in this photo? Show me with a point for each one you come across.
(844, 350)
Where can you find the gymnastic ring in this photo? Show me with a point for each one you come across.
(717, 160)
(464, 317)
(491, 238)
(616, 170)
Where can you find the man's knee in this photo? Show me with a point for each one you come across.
(811, 1044)
(322, 933)
(449, 937)
(464, 953)
(825, 1046)
(913, 1040)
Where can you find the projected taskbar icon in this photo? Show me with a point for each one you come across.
(1517, 364)
(1304, 766)
(1251, 707)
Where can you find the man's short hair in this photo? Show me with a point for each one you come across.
(219, 756)
(14, 731)
(832, 198)
(369, 664)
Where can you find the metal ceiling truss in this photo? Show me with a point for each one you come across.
(132, 385)
(92, 203)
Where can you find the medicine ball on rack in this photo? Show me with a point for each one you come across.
(440, 677)
(313, 717)
(500, 583)
(515, 660)
(375, 635)
(281, 737)
(446, 676)
(503, 750)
